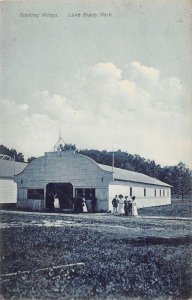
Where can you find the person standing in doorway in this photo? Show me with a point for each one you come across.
(50, 200)
(121, 205)
(78, 204)
(75, 206)
(56, 202)
(93, 203)
(84, 205)
(115, 202)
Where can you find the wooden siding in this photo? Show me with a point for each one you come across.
(117, 187)
(8, 191)
(102, 199)
(77, 169)
(82, 172)
(38, 205)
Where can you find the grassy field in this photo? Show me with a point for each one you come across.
(111, 257)
(176, 209)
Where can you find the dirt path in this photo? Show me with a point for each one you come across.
(94, 216)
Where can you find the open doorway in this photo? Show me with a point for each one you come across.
(63, 192)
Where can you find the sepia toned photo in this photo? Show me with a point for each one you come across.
(95, 150)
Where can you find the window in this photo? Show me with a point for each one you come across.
(163, 193)
(85, 192)
(131, 192)
(155, 192)
(35, 194)
(144, 192)
(160, 193)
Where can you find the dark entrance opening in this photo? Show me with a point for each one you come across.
(63, 192)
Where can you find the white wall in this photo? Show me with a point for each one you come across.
(77, 169)
(102, 196)
(117, 187)
(8, 191)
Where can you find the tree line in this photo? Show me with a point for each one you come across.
(18, 156)
(178, 176)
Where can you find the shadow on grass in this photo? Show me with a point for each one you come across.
(152, 241)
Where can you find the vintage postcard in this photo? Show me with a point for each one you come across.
(95, 149)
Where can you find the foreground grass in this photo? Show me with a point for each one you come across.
(124, 258)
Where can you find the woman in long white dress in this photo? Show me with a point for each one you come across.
(121, 205)
(134, 207)
(56, 202)
(84, 206)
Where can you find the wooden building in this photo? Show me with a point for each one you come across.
(67, 173)
(8, 188)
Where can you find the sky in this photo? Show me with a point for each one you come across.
(119, 81)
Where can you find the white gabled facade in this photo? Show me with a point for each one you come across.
(69, 172)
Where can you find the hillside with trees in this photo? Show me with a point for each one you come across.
(18, 156)
(179, 176)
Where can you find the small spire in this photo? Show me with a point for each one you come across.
(59, 133)
(60, 143)
(113, 162)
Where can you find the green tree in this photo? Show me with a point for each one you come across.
(18, 156)
(180, 177)
(184, 180)
(30, 159)
(177, 176)
(67, 147)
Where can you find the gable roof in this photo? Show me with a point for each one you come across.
(8, 168)
(125, 175)
(119, 174)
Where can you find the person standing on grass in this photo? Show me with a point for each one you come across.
(129, 207)
(115, 202)
(126, 201)
(134, 207)
(121, 205)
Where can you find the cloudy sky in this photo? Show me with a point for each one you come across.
(117, 82)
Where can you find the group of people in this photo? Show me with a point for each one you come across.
(80, 205)
(77, 203)
(124, 206)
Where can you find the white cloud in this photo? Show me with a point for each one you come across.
(149, 73)
(105, 110)
(167, 94)
(103, 84)
(105, 70)
(24, 107)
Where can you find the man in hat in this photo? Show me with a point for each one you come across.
(129, 208)
(126, 202)
(115, 202)
(93, 203)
